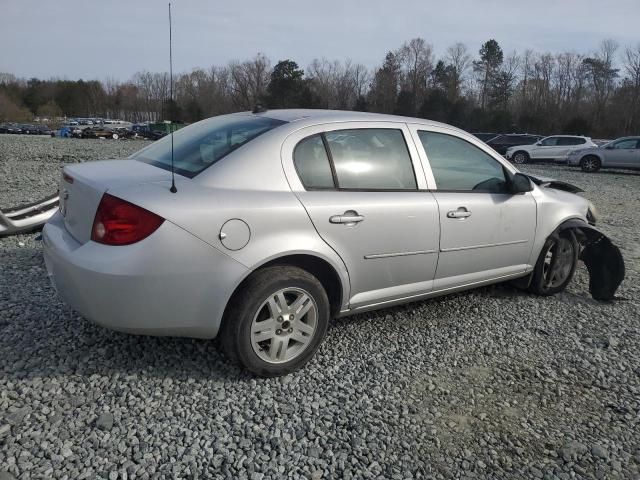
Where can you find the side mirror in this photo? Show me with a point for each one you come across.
(520, 183)
(609, 147)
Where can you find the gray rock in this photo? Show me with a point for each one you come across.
(17, 416)
(105, 421)
(599, 451)
(572, 450)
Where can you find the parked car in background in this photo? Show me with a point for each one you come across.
(10, 128)
(501, 143)
(485, 136)
(620, 153)
(99, 132)
(36, 130)
(284, 219)
(554, 148)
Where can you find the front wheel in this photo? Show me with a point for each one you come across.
(276, 322)
(590, 164)
(521, 158)
(556, 264)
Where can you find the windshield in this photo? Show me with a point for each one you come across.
(202, 144)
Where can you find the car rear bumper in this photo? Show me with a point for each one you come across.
(170, 283)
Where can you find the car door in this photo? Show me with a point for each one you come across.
(485, 232)
(635, 159)
(365, 192)
(545, 148)
(568, 144)
(623, 153)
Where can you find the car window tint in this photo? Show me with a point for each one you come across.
(200, 145)
(312, 163)
(458, 165)
(565, 141)
(549, 142)
(623, 144)
(371, 159)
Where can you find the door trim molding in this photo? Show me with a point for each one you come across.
(397, 254)
(471, 247)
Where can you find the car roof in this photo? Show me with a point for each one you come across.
(568, 136)
(305, 117)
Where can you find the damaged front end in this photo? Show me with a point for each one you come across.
(26, 218)
(601, 257)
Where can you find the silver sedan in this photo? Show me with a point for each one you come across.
(620, 153)
(281, 220)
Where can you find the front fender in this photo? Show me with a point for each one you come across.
(602, 258)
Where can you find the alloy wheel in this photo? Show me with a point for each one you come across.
(520, 158)
(558, 263)
(589, 165)
(284, 325)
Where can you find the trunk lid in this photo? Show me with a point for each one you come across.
(82, 187)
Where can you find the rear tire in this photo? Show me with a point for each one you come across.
(275, 323)
(556, 264)
(520, 157)
(590, 164)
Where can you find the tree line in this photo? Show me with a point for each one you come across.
(596, 94)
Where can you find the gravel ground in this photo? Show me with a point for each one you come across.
(493, 383)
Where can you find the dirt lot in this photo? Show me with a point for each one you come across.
(493, 383)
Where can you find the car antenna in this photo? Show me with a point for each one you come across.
(173, 188)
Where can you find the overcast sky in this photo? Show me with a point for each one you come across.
(96, 39)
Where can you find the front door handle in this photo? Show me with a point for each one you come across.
(461, 212)
(350, 217)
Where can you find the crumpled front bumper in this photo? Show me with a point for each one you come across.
(602, 258)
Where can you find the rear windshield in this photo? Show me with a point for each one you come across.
(202, 144)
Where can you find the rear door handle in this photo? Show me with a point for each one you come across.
(350, 217)
(461, 212)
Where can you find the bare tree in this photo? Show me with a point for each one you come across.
(459, 58)
(415, 59)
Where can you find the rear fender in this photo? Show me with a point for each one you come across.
(602, 258)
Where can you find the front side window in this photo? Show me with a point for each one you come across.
(625, 144)
(458, 165)
(371, 159)
(549, 142)
(202, 144)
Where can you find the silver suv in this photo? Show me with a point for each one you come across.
(281, 220)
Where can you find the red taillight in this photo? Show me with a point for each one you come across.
(119, 222)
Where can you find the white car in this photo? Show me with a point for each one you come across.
(555, 148)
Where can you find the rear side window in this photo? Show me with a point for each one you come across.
(202, 144)
(458, 165)
(549, 142)
(565, 141)
(371, 159)
(312, 163)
